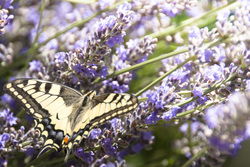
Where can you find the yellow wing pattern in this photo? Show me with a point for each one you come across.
(64, 116)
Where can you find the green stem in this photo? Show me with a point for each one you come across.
(195, 157)
(36, 37)
(21, 60)
(40, 158)
(56, 162)
(137, 66)
(198, 21)
(164, 56)
(191, 111)
(219, 84)
(80, 23)
(39, 23)
(210, 44)
(216, 86)
(163, 76)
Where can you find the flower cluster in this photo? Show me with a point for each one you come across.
(112, 144)
(15, 140)
(6, 54)
(157, 13)
(78, 69)
(5, 17)
(217, 119)
(8, 101)
(158, 101)
(137, 51)
(227, 125)
(116, 47)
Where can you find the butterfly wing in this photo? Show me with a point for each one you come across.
(42, 98)
(50, 104)
(64, 116)
(101, 109)
(108, 106)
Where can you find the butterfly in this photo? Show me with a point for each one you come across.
(62, 115)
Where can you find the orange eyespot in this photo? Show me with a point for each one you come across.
(66, 139)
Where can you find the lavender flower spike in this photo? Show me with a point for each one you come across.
(229, 123)
(5, 18)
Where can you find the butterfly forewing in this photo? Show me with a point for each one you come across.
(43, 98)
(61, 112)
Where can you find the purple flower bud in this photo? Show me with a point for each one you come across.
(195, 33)
(169, 10)
(8, 117)
(35, 65)
(108, 22)
(152, 118)
(6, 99)
(60, 57)
(90, 71)
(137, 148)
(214, 73)
(171, 113)
(78, 68)
(124, 13)
(108, 147)
(197, 92)
(22, 128)
(3, 162)
(5, 137)
(148, 136)
(207, 55)
(103, 72)
(104, 3)
(86, 156)
(114, 40)
(223, 16)
(124, 7)
(122, 52)
(12, 120)
(5, 4)
(30, 151)
(95, 133)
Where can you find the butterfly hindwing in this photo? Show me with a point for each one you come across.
(50, 104)
(108, 106)
(101, 109)
(52, 138)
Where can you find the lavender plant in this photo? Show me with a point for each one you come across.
(188, 62)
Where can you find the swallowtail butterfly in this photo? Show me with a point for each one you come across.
(64, 116)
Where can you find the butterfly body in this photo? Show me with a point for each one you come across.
(64, 116)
